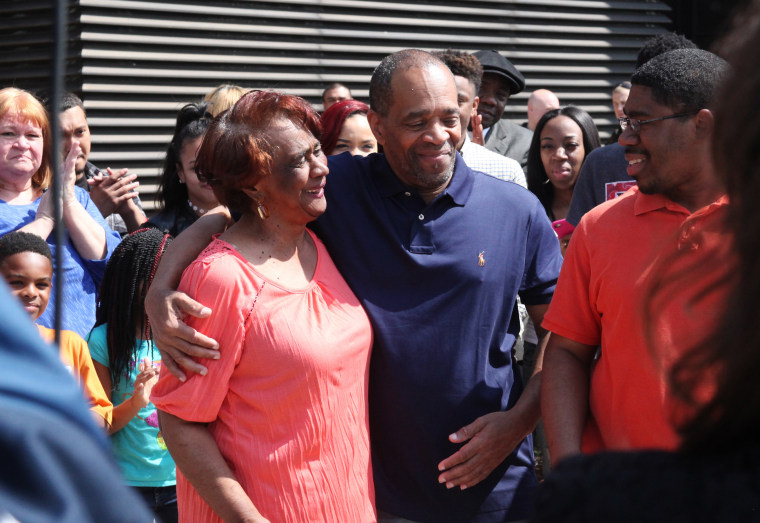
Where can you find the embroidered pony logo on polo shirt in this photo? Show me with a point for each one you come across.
(481, 258)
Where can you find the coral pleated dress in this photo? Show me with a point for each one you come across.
(287, 400)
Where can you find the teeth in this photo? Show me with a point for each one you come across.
(632, 162)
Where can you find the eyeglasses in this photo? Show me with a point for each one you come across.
(636, 124)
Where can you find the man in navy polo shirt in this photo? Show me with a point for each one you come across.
(437, 254)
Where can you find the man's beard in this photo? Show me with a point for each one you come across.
(433, 180)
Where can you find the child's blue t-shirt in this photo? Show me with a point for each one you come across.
(139, 447)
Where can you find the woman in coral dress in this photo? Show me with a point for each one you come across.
(278, 428)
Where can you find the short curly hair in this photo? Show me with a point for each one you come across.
(17, 242)
(462, 64)
(684, 79)
(380, 90)
(236, 154)
(69, 100)
(662, 43)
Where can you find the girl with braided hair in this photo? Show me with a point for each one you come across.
(127, 364)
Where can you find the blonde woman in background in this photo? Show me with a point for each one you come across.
(223, 97)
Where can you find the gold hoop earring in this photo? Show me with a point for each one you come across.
(262, 210)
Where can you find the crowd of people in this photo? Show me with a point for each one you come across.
(363, 314)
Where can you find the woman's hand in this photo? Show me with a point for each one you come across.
(166, 307)
(44, 220)
(46, 208)
(87, 235)
(69, 174)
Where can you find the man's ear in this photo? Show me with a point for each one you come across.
(377, 124)
(475, 104)
(705, 124)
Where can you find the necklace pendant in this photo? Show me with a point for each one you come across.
(195, 208)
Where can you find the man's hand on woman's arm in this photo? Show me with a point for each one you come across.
(166, 308)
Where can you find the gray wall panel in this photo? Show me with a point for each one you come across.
(136, 62)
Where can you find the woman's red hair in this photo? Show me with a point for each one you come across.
(235, 153)
(333, 118)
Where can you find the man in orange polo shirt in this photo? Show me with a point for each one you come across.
(620, 399)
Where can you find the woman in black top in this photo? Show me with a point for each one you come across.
(182, 197)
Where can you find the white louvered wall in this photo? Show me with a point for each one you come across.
(136, 62)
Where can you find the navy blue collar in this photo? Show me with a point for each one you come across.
(389, 185)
